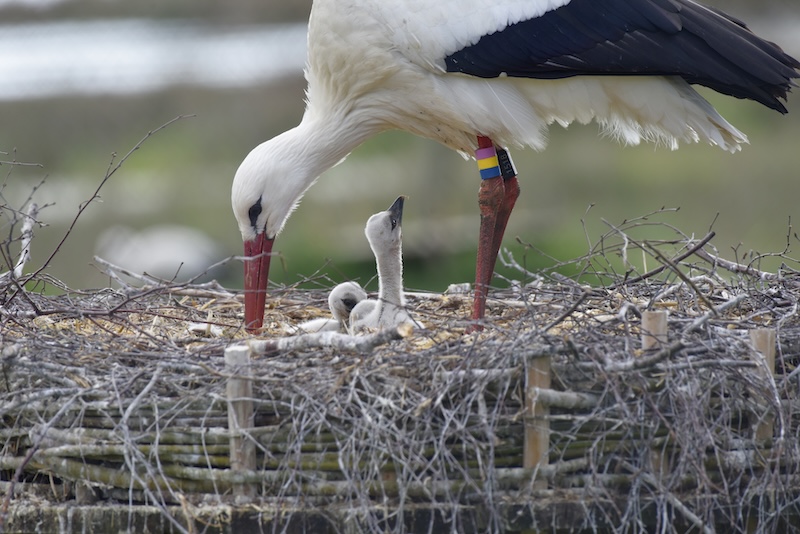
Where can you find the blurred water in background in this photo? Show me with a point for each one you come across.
(36, 4)
(132, 56)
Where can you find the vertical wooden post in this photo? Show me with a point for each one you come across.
(654, 337)
(240, 415)
(654, 329)
(537, 422)
(763, 340)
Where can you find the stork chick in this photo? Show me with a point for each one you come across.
(384, 234)
(341, 301)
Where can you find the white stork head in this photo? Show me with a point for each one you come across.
(267, 186)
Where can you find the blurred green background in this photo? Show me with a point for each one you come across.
(181, 177)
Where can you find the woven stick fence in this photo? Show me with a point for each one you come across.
(663, 400)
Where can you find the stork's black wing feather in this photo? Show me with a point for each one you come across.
(636, 37)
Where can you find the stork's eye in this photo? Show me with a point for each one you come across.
(394, 223)
(254, 212)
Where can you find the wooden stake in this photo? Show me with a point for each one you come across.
(763, 340)
(655, 337)
(654, 330)
(537, 422)
(240, 416)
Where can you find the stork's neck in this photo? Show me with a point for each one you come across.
(284, 167)
(327, 138)
(390, 275)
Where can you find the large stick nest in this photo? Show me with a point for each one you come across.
(119, 395)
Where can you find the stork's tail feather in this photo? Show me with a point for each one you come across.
(661, 110)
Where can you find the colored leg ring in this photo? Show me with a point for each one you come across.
(488, 164)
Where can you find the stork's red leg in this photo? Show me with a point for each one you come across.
(496, 198)
(510, 196)
(490, 199)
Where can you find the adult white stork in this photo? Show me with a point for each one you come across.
(478, 75)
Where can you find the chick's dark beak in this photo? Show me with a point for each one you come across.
(396, 209)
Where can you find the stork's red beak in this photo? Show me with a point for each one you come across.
(256, 274)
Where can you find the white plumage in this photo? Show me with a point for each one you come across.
(383, 62)
(453, 70)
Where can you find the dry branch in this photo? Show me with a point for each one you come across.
(737, 267)
(332, 340)
(564, 399)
